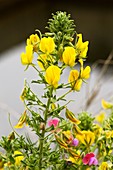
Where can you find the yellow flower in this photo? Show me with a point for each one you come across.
(33, 40)
(26, 58)
(67, 135)
(78, 85)
(69, 56)
(81, 47)
(97, 130)
(72, 117)
(100, 118)
(47, 45)
(75, 158)
(87, 138)
(106, 105)
(1, 165)
(85, 73)
(18, 157)
(43, 60)
(71, 159)
(109, 134)
(104, 166)
(21, 121)
(73, 76)
(23, 94)
(61, 142)
(52, 75)
(77, 130)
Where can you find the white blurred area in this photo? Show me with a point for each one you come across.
(12, 77)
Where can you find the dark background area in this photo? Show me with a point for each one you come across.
(93, 18)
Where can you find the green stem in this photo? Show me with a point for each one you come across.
(61, 97)
(44, 130)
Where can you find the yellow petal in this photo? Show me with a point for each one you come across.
(106, 105)
(100, 118)
(69, 56)
(78, 85)
(52, 75)
(26, 58)
(18, 157)
(85, 74)
(47, 45)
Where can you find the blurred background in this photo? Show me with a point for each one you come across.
(20, 18)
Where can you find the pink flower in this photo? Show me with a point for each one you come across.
(75, 142)
(53, 122)
(93, 161)
(89, 159)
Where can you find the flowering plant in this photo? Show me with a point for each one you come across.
(64, 141)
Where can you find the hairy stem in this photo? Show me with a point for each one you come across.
(43, 131)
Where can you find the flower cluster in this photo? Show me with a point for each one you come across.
(63, 142)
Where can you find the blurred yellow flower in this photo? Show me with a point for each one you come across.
(18, 157)
(67, 135)
(100, 118)
(69, 56)
(33, 40)
(52, 75)
(47, 45)
(26, 58)
(81, 47)
(106, 105)
(109, 134)
(87, 138)
(104, 166)
(21, 121)
(97, 130)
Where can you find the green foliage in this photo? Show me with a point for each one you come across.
(87, 121)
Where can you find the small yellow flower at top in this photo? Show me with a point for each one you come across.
(33, 40)
(81, 47)
(100, 118)
(52, 75)
(26, 58)
(47, 45)
(106, 105)
(18, 157)
(69, 56)
(87, 137)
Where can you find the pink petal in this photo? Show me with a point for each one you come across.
(53, 122)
